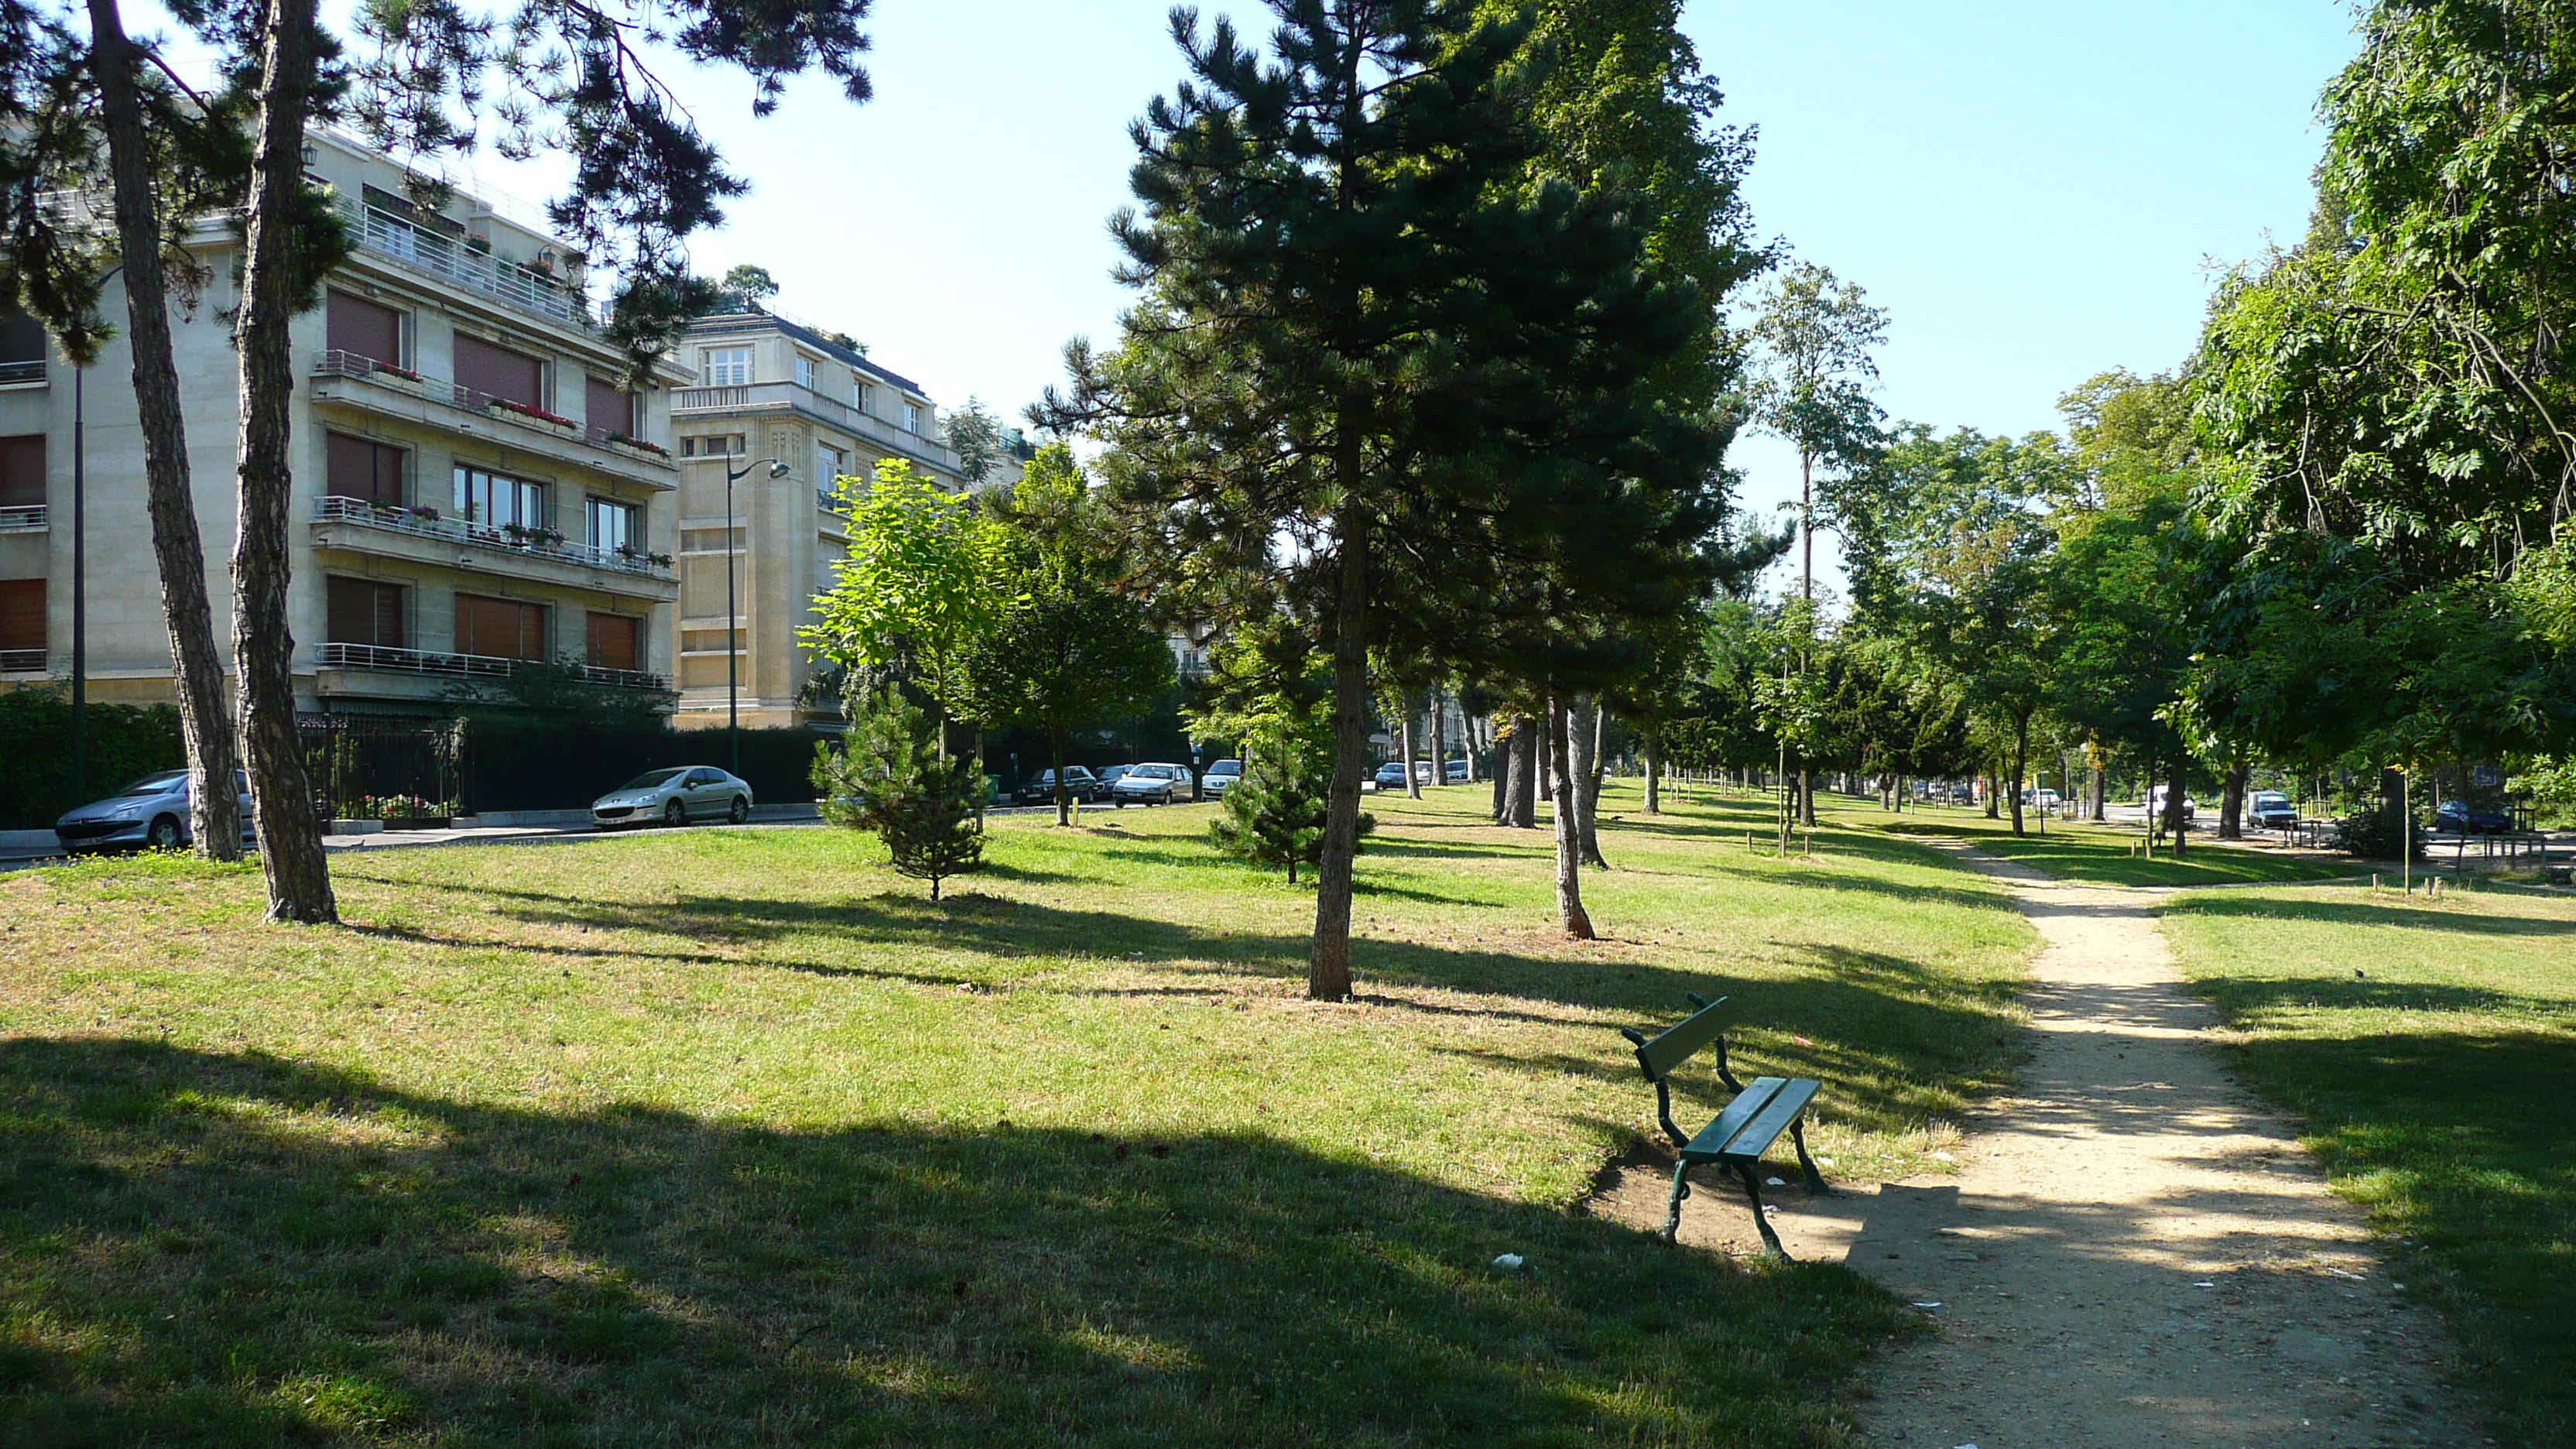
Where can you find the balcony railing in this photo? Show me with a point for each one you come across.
(20, 374)
(23, 520)
(338, 363)
(22, 661)
(382, 659)
(395, 518)
(451, 258)
(746, 396)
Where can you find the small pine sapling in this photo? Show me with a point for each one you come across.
(888, 777)
(1274, 813)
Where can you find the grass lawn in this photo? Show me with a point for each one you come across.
(731, 1137)
(2431, 1050)
(2099, 854)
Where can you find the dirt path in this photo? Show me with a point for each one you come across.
(2133, 1252)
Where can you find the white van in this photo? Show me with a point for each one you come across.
(2156, 805)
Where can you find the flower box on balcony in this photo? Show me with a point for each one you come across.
(656, 449)
(405, 373)
(527, 411)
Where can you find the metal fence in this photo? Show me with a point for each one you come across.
(367, 768)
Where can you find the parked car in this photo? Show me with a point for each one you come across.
(1456, 771)
(151, 813)
(2156, 805)
(2461, 818)
(1150, 785)
(2271, 810)
(1109, 776)
(1080, 783)
(2044, 799)
(674, 796)
(1390, 776)
(1220, 777)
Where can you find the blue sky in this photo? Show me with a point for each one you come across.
(2035, 191)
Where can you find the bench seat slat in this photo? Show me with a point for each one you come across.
(1710, 1144)
(1756, 1136)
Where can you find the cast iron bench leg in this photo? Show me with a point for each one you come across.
(1815, 1179)
(1673, 1210)
(1761, 1219)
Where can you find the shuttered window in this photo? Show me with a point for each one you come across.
(501, 628)
(364, 468)
(22, 614)
(616, 641)
(608, 407)
(22, 471)
(369, 329)
(500, 372)
(363, 611)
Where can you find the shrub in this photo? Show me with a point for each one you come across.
(1274, 813)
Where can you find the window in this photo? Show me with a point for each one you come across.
(363, 611)
(500, 628)
(613, 525)
(22, 348)
(608, 407)
(494, 500)
(366, 329)
(728, 366)
(830, 465)
(804, 372)
(22, 623)
(22, 471)
(911, 418)
(500, 372)
(363, 468)
(715, 445)
(865, 395)
(616, 641)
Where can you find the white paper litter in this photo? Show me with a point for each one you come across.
(1509, 1262)
(1773, 1182)
(1934, 1304)
(1943, 1157)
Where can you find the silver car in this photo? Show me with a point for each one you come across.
(674, 797)
(1150, 785)
(151, 813)
(1221, 777)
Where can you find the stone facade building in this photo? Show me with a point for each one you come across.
(476, 489)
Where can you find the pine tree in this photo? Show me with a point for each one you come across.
(1274, 813)
(888, 777)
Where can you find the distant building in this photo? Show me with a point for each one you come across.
(772, 388)
(475, 487)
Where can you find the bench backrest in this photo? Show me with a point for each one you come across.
(1680, 1042)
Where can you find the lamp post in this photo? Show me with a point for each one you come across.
(733, 653)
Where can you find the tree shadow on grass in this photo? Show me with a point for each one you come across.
(2367, 912)
(2459, 1142)
(232, 1250)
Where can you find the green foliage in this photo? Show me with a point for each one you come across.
(125, 741)
(746, 287)
(887, 777)
(927, 578)
(1274, 814)
(980, 439)
(558, 692)
(1815, 333)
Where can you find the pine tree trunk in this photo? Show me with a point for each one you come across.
(1328, 966)
(1063, 796)
(1439, 740)
(205, 724)
(2101, 797)
(1585, 729)
(1412, 782)
(1522, 807)
(1569, 864)
(290, 828)
(2020, 764)
(1654, 752)
(1502, 790)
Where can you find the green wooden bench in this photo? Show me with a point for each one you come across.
(1741, 1133)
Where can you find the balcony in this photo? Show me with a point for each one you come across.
(22, 661)
(387, 530)
(420, 662)
(23, 520)
(404, 393)
(452, 259)
(789, 397)
(29, 373)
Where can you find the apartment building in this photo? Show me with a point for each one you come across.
(773, 389)
(476, 488)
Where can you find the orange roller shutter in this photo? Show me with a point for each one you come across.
(22, 471)
(369, 329)
(500, 372)
(22, 613)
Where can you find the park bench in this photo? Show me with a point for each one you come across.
(1740, 1134)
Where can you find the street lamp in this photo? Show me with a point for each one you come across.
(733, 654)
